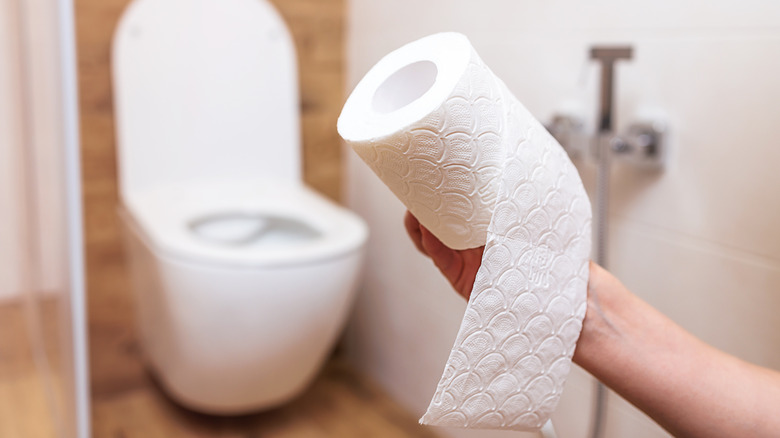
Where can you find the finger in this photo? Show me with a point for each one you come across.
(413, 229)
(445, 258)
(471, 259)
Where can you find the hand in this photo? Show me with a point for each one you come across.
(458, 266)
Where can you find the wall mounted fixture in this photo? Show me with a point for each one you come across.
(642, 144)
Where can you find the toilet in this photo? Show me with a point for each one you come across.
(243, 277)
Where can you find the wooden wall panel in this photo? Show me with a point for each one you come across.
(317, 27)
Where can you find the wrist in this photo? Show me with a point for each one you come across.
(600, 327)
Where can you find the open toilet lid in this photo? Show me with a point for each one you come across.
(204, 90)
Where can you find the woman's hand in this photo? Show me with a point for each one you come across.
(458, 266)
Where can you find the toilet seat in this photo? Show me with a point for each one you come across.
(246, 224)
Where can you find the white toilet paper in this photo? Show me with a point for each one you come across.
(475, 168)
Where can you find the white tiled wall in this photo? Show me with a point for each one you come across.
(700, 241)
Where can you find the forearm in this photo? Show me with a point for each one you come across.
(688, 387)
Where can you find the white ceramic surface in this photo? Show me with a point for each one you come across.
(243, 277)
(228, 339)
(205, 90)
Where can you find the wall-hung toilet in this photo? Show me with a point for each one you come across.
(243, 276)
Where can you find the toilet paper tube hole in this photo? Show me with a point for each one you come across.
(404, 86)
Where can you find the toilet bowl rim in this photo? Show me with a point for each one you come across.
(343, 232)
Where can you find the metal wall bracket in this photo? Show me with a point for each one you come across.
(643, 144)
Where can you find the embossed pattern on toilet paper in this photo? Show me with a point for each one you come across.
(513, 351)
(481, 170)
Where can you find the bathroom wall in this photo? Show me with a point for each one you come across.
(699, 241)
(43, 344)
(33, 135)
(316, 26)
(10, 267)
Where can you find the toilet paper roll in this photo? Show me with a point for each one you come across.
(475, 168)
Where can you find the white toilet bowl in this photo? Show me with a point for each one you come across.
(243, 277)
(243, 320)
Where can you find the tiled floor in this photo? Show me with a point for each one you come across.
(24, 411)
(340, 403)
(126, 402)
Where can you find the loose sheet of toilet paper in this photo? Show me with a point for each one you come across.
(479, 169)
